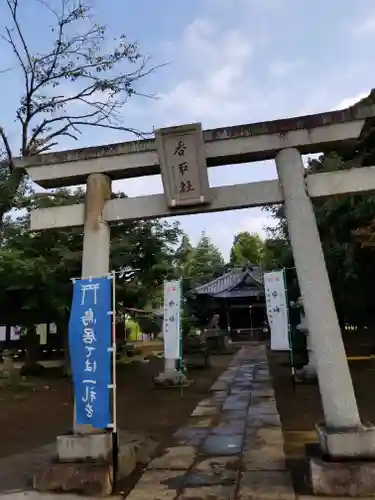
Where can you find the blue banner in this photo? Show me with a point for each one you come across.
(89, 342)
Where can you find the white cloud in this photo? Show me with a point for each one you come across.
(349, 101)
(217, 82)
(245, 5)
(214, 69)
(366, 27)
(282, 68)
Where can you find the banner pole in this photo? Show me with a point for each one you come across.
(181, 368)
(114, 352)
(291, 355)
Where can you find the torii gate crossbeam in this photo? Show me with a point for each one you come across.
(342, 434)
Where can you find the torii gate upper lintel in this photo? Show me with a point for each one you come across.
(284, 140)
(223, 146)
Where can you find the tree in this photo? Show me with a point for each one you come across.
(183, 254)
(277, 254)
(97, 77)
(247, 249)
(36, 268)
(205, 264)
(343, 224)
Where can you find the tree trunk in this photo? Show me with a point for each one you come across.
(8, 193)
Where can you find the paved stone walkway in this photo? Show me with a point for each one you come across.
(231, 447)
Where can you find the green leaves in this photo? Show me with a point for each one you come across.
(345, 225)
(203, 262)
(247, 249)
(36, 268)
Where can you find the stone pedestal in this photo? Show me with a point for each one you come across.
(84, 464)
(342, 479)
(346, 466)
(170, 378)
(348, 443)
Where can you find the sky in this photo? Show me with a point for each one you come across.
(226, 62)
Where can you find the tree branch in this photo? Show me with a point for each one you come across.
(74, 83)
(7, 149)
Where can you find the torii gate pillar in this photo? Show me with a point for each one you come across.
(332, 367)
(342, 436)
(96, 243)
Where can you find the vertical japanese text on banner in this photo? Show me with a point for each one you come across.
(90, 339)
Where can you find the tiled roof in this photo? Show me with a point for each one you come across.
(224, 285)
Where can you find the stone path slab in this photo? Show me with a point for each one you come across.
(232, 446)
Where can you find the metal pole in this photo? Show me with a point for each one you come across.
(251, 322)
(291, 354)
(114, 352)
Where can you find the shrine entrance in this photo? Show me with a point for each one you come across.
(182, 155)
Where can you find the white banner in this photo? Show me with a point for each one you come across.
(171, 321)
(277, 310)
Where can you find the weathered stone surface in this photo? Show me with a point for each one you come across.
(243, 384)
(263, 407)
(236, 402)
(205, 403)
(219, 385)
(259, 398)
(190, 436)
(157, 485)
(210, 453)
(265, 485)
(71, 448)
(264, 450)
(234, 414)
(200, 422)
(219, 395)
(263, 420)
(35, 495)
(207, 493)
(176, 458)
(236, 390)
(223, 445)
(229, 427)
(205, 411)
(170, 377)
(226, 377)
(262, 391)
(95, 479)
(350, 479)
(215, 471)
(127, 460)
(352, 443)
(144, 446)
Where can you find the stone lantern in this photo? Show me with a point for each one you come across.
(308, 372)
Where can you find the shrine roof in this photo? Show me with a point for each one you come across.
(234, 283)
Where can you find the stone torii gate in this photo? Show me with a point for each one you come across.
(182, 155)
